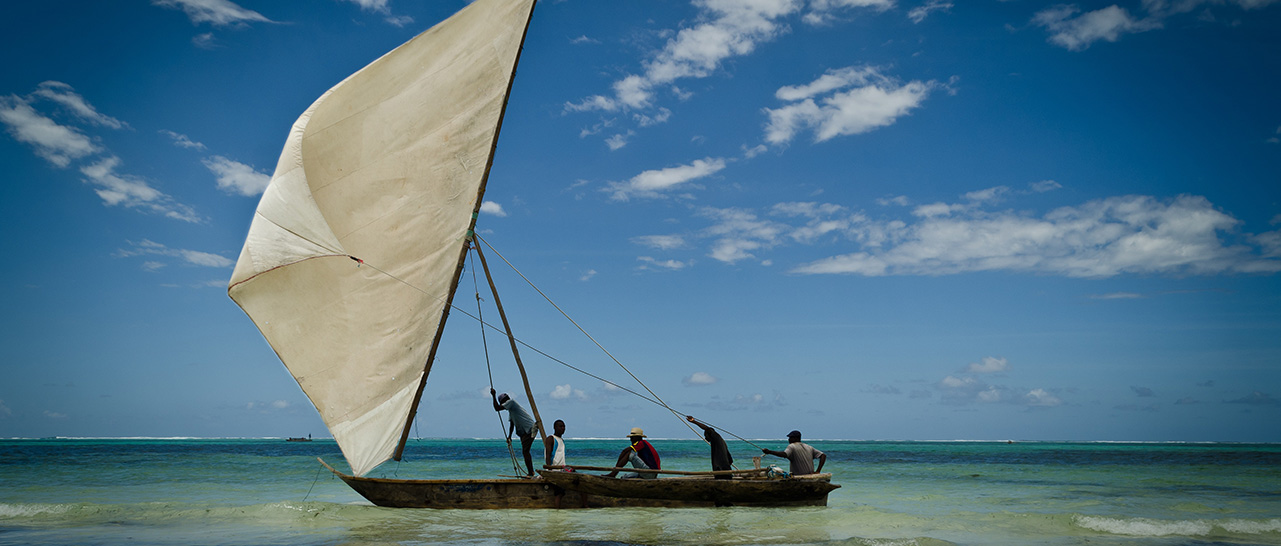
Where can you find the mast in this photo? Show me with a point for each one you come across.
(529, 393)
(462, 255)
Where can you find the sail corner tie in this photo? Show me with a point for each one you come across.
(359, 262)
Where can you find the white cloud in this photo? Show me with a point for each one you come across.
(181, 140)
(371, 5)
(922, 11)
(490, 207)
(4, 410)
(653, 183)
(967, 390)
(990, 194)
(661, 242)
(900, 200)
(594, 102)
(61, 145)
(989, 364)
(205, 41)
(739, 232)
(57, 144)
(699, 378)
(619, 140)
(214, 12)
(267, 407)
(235, 177)
(1077, 32)
(381, 6)
(661, 116)
(133, 192)
(825, 11)
(564, 392)
(725, 29)
(1041, 398)
(1117, 296)
(650, 263)
(192, 257)
(934, 210)
(64, 95)
(588, 275)
(1044, 186)
(399, 21)
(1104, 238)
(874, 101)
(830, 81)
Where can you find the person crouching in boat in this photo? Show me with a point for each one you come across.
(521, 422)
(800, 454)
(640, 454)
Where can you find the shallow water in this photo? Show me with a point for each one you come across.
(250, 492)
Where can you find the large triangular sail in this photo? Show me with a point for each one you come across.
(387, 167)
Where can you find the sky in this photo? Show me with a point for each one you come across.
(862, 219)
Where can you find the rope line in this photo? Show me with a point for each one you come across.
(488, 368)
(313, 484)
(518, 340)
(679, 415)
(655, 400)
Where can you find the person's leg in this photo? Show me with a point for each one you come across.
(527, 442)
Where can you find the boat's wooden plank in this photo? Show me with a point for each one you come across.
(750, 471)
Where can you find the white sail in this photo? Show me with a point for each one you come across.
(389, 167)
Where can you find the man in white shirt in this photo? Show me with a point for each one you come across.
(800, 454)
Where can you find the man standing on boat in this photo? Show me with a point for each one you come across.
(640, 454)
(521, 422)
(721, 459)
(801, 455)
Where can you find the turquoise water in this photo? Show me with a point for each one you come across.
(268, 491)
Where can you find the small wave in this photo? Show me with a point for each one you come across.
(1144, 527)
(32, 510)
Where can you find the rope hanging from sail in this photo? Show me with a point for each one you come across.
(678, 414)
(522, 342)
(655, 400)
(488, 368)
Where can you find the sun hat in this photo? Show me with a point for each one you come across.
(636, 431)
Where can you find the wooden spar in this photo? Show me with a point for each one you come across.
(529, 393)
(462, 254)
(747, 472)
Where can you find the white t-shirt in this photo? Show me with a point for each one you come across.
(802, 457)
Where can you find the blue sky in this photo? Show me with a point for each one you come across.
(862, 219)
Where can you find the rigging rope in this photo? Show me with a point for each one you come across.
(655, 400)
(484, 343)
(679, 415)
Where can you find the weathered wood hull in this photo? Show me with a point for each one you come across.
(485, 494)
(465, 494)
(579, 490)
(809, 490)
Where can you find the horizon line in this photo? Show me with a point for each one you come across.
(771, 439)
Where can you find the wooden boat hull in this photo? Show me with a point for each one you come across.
(486, 494)
(809, 490)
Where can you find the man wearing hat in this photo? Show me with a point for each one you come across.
(801, 455)
(640, 454)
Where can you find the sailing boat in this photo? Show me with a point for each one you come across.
(356, 249)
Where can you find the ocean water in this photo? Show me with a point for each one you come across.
(268, 491)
